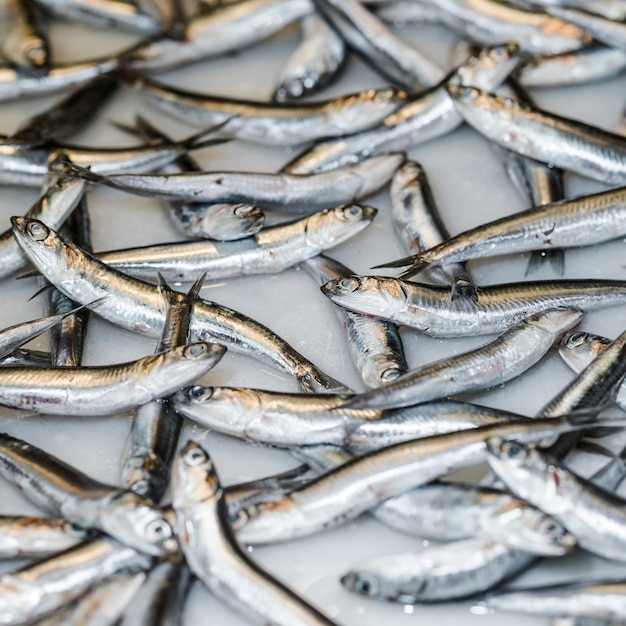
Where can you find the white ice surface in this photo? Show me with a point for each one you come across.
(470, 188)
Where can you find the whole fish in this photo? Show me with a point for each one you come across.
(427, 117)
(66, 492)
(379, 46)
(104, 390)
(139, 306)
(498, 361)
(46, 586)
(498, 307)
(438, 573)
(275, 124)
(594, 516)
(364, 482)
(270, 251)
(375, 345)
(566, 143)
(287, 193)
(24, 40)
(316, 61)
(419, 226)
(213, 554)
(581, 221)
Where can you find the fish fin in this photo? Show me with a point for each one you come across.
(555, 256)
(403, 262)
(194, 291)
(204, 138)
(316, 381)
(62, 165)
(591, 447)
(30, 274)
(45, 287)
(129, 129)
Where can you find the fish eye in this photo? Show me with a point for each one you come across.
(576, 339)
(239, 518)
(348, 284)
(198, 392)
(195, 350)
(38, 231)
(157, 530)
(354, 211)
(498, 54)
(366, 585)
(384, 94)
(515, 452)
(195, 457)
(389, 375)
(551, 528)
(469, 94)
(244, 210)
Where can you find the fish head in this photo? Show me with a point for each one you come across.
(556, 321)
(363, 583)
(409, 174)
(524, 527)
(193, 477)
(578, 349)
(488, 67)
(333, 226)
(367, 107)
(528, 473)
(134, 521)
(372, 295)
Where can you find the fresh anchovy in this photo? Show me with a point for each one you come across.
(275, 124)
(438, 573)
(379, 46)
(609, 32)
(270, 251)
(24, 41)
(447, 511)
(104, 14)
(578, 351)
(139, 306)
(362, 483)
(427, 117)
(68, 338)
(66, 492)
(286, 193)
(15, 85)
(581, 221)
(600, 599)
(213, 554)
(30, 358)
(58, 200)
(102, 605)
(313, 64)
(493, 21)
(375, 345)
(21, 164)
(419, 226)
(498, 307)
(36, 537)
(225, 222)
(160, 600)
(593, 515)
(69, 115)
(511, 354)
(43, 587)
(13, 337)
(104, 390)
(566, 143)
(231, 28)
(156, 425)
(593, 63)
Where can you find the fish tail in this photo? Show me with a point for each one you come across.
(315, 381)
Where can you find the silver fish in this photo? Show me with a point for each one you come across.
(314, 63)
(66, 492)
(419, 226)
(104, 390)
(609, 32)
(427, 117)
(498, 307)
(581, 221)
(401, 12)
(270, 251)
(379, 46)
(375, 345)
(139, 306)
(566, 143)
(594, 516)
(213, 554)
(287, 193)
(275, 124)
(438, 573)
(508, 356)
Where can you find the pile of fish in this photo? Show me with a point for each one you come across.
(351, 415)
